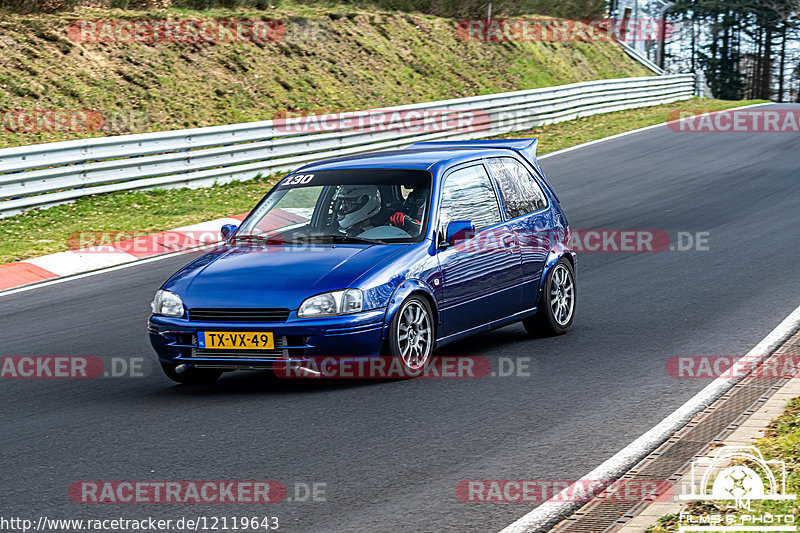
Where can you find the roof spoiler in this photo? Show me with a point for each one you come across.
(526, 147)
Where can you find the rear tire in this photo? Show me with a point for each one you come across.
(558, 302)
(190, 375)
(412, 335)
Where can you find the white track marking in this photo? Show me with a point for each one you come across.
(552, 510)
(75, 261)
(56, 281)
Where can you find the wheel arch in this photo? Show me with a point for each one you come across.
(558, 251)
(410, 287)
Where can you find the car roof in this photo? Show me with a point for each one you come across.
(426, 156)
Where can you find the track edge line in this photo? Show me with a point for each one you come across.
(546, 515)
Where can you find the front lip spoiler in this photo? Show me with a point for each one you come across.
(354, 329)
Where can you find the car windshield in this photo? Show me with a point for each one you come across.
(372, 206)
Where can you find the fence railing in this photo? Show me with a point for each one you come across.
(631, 51)
(48, 174)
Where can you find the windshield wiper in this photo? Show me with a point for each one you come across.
(345, 239)
(258, 237)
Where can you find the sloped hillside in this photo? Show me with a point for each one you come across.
(327, 58)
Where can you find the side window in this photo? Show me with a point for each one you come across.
(521, 194)
(468, 195)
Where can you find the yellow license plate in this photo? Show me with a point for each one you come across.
(236, 340)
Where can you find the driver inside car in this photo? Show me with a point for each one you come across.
(408, 218)
(356, 207)
(359, 208)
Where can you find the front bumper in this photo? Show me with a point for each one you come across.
(296, 339)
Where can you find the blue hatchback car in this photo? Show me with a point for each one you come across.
(382, 254)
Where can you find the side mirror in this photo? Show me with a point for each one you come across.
(459, 230)
(227, 231)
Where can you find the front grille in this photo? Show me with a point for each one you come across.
(239, 315)
(242, 354)
(279, 352)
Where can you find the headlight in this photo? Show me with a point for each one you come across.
(167, 304)
(332, 303)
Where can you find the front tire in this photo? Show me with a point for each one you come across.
(412, 334)
(189, 375)
(557, 305)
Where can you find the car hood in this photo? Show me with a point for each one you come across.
(274, 276)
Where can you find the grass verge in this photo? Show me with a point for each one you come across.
(40, 232)
(781, 442)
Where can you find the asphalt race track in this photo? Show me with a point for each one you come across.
(392, 453)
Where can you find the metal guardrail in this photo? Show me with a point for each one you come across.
(631, 51)
(47, 174)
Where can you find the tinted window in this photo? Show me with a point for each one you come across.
(521, 194)
(383, 205)
(468, 195)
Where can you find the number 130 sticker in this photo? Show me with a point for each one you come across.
(300, 179)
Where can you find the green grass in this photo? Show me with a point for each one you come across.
(40, 232)
(454, 8)
(51, 230)
(781, 442)
(335, 56)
